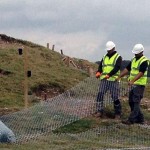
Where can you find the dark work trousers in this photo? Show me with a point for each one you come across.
(135, 96)
(113, 87)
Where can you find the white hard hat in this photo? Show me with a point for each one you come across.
(110, 45)
(138, 48)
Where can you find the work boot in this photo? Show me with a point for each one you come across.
(140, 122)
(140, 119)
(98, 114)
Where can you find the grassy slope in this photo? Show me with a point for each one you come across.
(48, 70)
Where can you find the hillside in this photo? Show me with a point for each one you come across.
(49, 73)
(64, 121)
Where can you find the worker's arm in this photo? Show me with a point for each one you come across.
(124, 72)
(142, 69)
(138, 76)
(116, 67)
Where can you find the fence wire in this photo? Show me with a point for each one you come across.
(39, 121)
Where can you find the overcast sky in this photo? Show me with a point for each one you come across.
(80, 28)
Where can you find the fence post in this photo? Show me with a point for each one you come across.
(53, 47)
(68, 61)
(1, 40)
(25, 60)
(48, 45)
(27, 73)
(61, 52)
(25, 76)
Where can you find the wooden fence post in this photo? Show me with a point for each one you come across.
(61, 52)
(1, 40)
(48, 45)
(25, 78)
(53, 47)
(68, 61)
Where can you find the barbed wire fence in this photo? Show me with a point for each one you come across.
(41, 120)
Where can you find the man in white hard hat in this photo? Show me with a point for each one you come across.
(108, 72)
(138, 68)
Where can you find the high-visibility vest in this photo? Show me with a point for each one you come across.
(108, 65)
(135, 65)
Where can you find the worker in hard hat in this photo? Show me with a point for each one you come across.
(108, 72)
(138, 68)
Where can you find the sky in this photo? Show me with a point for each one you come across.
(80, 28)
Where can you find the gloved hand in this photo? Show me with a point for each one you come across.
(130, 83)
(118, 79)
(107, 76)
(98, 74)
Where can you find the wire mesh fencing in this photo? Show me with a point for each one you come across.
(41, 120)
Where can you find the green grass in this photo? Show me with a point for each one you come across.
(48, 71)
(79, 135)
(77, 126)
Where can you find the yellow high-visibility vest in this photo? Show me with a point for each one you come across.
(108, 66)
(135, 65)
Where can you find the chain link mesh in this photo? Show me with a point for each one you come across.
(39, 121)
